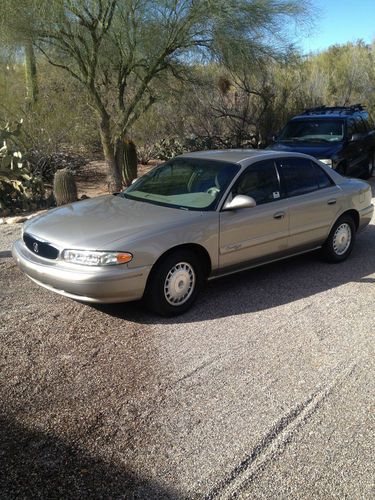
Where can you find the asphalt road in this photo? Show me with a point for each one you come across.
(265, 389)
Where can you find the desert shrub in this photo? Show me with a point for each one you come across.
(61, 119)
(45, 165)
(19, 188)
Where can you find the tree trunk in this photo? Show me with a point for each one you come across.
(114, 173)
(30, 74)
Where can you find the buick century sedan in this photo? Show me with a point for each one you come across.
(198, 216)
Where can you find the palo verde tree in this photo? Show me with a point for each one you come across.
(121, 50)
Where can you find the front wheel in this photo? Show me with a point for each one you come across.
(174, 283)
(340, 241)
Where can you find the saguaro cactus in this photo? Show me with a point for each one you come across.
(130, 162)
(64, 187)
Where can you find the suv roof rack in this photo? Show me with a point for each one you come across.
(345, 110)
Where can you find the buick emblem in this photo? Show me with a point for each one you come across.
(36, 247)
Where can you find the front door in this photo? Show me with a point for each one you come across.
(356, 151)
(255, 234)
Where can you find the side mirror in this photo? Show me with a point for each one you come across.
(240, 201)
(355, 138)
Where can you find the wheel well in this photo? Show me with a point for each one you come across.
(194, 247)
(354, 214)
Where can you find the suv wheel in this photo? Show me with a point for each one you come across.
(340, 241)
(174, 283)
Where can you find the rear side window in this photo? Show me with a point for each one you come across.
(260, 181)
(298, 175)
(322, 178)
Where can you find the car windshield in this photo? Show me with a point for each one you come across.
(313, 131)
(186, 183)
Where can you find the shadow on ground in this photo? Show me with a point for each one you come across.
(36, 465)
(265, 287)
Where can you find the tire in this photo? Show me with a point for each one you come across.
(340, 241)
(174, 283)
(370, 166)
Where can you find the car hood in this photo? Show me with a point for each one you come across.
(318, 150)
(98, 222)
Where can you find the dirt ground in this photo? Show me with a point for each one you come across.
(263, 390)
(92, 178)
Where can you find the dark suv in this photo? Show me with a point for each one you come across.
(341, 137)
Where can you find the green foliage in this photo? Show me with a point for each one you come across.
(173, 76)
(19, 189)
(169, 148)
(129, 163)
(64, 187)
(61, 120)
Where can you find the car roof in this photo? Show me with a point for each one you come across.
(241, 156)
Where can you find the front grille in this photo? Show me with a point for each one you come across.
(40, 248)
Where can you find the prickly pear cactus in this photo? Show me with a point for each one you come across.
(19, 188)
(130, 162)
(64, 187)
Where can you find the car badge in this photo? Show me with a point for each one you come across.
(36, 247)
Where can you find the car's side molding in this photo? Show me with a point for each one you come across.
(226, 272)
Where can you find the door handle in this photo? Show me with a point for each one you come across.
(331, 202)
(279, 215)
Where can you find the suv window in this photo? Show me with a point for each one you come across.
(260, 181)
(352, 128)
(313, 130)
(299, 176)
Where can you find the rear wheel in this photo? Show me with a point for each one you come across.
(340, 241)
(174, 283)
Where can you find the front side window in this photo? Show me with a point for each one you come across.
(186, 183)
(352, 129)
(313, 131)
(260, 181)
(298, 175)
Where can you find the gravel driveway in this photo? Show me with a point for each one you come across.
(265, 389)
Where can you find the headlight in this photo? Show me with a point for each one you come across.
(94, 258)
(327, 162)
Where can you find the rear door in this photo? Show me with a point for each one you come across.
(255, 234)
(314, 202)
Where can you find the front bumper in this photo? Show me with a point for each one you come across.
(100, 285)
